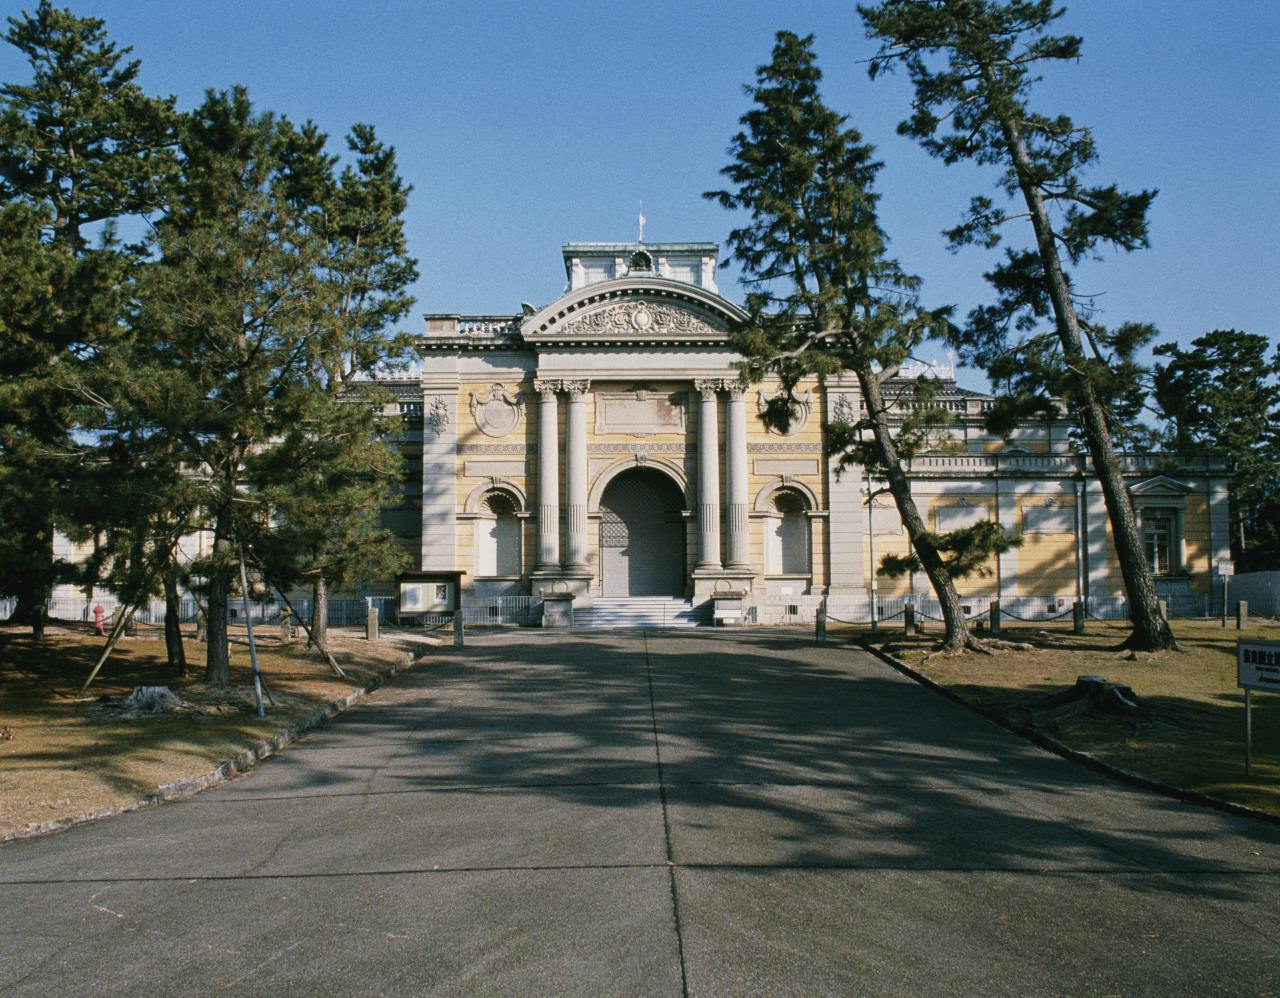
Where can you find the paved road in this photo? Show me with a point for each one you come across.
(632, 814)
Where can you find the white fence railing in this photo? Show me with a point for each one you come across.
(1262, 595)
(342, 612)
(1027, 609)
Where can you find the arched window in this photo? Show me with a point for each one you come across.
(786, 534)
(497, 536)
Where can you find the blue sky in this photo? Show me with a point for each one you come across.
(524, 125)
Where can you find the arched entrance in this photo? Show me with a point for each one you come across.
(642, 535)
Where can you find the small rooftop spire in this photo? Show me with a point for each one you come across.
(641, 220)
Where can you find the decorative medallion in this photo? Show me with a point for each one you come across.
(842, 410)
(799, 411)
(438, 415)
(496, 412)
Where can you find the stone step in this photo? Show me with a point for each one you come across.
(640, 612)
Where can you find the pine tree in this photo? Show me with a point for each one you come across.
(227, 314)
(1224, 394)
(358, 216)
(81, 146)
(972, 64)
(825, 298)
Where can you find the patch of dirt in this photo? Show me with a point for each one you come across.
(62, 754)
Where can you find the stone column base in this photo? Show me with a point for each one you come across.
(725, 580)
(556, 581)
(557, 611)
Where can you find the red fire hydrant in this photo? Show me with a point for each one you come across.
(98, 614)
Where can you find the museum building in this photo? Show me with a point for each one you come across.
(605, 445)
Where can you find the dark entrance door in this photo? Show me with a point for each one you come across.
(642, 535)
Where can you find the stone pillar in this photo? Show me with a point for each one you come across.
(735, 459)
(439, 478)
(708, 477)
(576, 473)
(1007, 517)
(548, 475)
(848, 526)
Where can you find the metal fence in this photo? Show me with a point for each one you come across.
(524, 611)
(1026, 609)
(341, 613)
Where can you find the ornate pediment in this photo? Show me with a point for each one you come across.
(639, 318)
(644, 309)
(1161, 485)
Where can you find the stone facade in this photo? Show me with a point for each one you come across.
(605, 445)
(529, 431)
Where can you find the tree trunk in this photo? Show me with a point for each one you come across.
(957, 633)
(217, 668)
(1151, 631)
(174, 651)
(319, 637)
(31, 609)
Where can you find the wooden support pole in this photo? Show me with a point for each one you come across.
(333, 664)
(117, 629)
(253, 648)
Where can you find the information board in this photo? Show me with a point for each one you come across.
(1258, 665)
(424, 597)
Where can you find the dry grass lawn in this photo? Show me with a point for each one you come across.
(1188, 732)
(63, 755)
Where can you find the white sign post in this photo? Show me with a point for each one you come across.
(1257, 668)
(1226, 569)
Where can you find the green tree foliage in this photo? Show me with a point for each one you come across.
(225, 317)
(1224, 394)
(965, 552)
(973, 65)
(241, 379)
(825, 297)
(81, 147)
(330, 511)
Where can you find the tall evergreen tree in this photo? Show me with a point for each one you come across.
(825, 297)
(228, 312)
(81, 146)
(972, 63)
(358, 216)
(1224, 393)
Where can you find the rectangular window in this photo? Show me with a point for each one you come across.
(1157, 539)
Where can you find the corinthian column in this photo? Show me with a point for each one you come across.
(708, 476)
(548, 476)
(735, 461)
(576, 472)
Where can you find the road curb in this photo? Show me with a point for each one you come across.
(1074, 755)
(241, 762)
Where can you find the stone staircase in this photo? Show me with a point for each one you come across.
(641, 611)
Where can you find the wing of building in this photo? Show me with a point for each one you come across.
(603, 445)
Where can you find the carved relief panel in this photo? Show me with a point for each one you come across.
(497, 412)
(799, 411)
(640, 411)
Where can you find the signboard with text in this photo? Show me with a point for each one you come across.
(1226, 568)
(1258, 665)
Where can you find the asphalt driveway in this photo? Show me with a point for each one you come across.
(632, 813)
